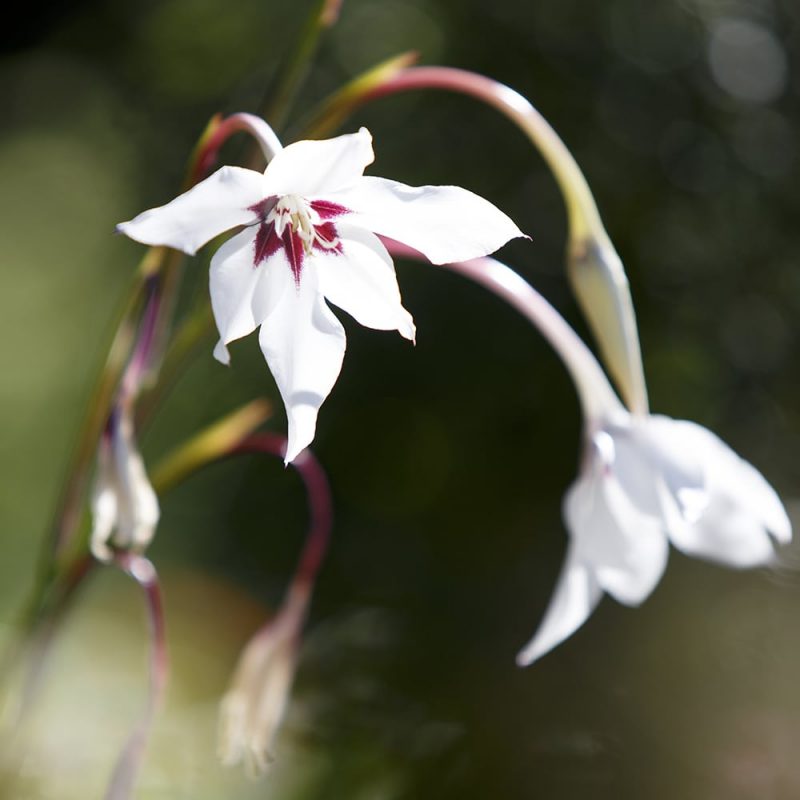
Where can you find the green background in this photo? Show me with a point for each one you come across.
(448, 460)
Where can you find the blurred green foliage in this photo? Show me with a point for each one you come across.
(448, 460)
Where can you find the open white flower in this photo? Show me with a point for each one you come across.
(309, 224)
(646, 481)
(124, 505)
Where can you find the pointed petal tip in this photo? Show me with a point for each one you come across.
(222, 354)
(504, 232)
(408, 330)
(101, 551)
(541, 644)
(526, 657)
(781, 527)
(302, 427)
(292, 453)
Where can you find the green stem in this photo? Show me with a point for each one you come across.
(42, 617)
(332, 112)
(209, 444)
(165, 266)
(295, 68)
(193, 330)
(67, 513)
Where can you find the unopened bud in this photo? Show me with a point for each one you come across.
(599, 282)
(253, 708)
(124, 506)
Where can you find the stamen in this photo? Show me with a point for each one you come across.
(299, 227)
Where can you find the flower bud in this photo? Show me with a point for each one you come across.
(599, 283)
(252, 709)
(124, 505)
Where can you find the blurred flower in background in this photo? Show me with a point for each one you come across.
(646, 482)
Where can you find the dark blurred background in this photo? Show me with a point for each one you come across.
(448, 460)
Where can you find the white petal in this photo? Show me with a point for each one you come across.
(361, 280)
(445, 223)
(645, 459)
(103, 506)
(138, 507)
(730, 475)
(221, 353)
(627, 549)
(215, 205)
(309, 167)
(304, 345)
(576, 596)
(243, 294)
(232, 279)
(741, 507)
(725, 534)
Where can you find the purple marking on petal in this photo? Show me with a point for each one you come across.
(262, 208)
(328, 210)
(293, 247)
(329, 236)
(266, 243)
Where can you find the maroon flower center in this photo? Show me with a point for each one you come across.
(296, 226)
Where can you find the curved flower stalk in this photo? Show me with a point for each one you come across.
(594, 268)
(219, 131)
(127, 768)
(645, 481)
(308, 236)
(123, 504)
(253, 708)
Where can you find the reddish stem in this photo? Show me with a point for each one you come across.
(594, 391)
(222, 131)
(319, 500)
(581, 208)
(129, 763)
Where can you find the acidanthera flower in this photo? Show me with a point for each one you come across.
(308, 235)
(124, 505)
(645, 481)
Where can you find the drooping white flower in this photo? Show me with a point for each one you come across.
(309, 224)
(647, 481)
(253, 708)
(124, 505)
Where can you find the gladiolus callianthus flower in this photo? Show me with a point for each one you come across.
(308, 235)
(647, 481)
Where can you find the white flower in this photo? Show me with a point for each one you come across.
(124, 506)
(309, 236)
(648, 480)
